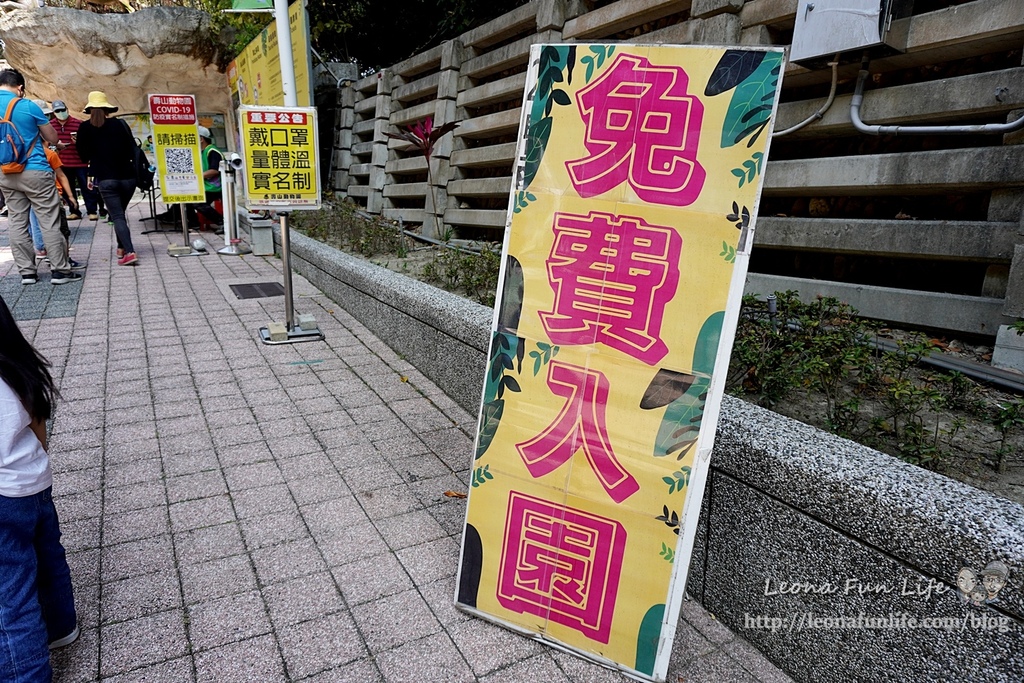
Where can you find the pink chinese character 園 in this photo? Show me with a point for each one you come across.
(561, 563)
(641, 128)
(581, 424)
(612, 277)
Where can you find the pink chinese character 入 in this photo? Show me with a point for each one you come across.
(641, 128)
(580, 424)
(561, 563)
(612, 277)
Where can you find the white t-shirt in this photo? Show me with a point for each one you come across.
(24, 465)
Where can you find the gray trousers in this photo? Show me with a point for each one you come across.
(38, 190)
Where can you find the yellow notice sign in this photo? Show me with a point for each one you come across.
(631, 220)
(255, 75)
(279, 146)
(176, 147)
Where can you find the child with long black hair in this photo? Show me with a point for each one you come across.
(37, 607)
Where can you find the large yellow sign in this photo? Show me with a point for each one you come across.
(638, 176)
(255, 75)
(279, 147)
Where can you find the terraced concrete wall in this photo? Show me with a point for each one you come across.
(919, 231)
(786, 504)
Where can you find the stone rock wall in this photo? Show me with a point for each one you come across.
(65, 53)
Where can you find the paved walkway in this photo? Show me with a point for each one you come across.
(242, 512)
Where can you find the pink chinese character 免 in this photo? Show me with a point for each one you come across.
(580, 424)
(561, 563)
(612, 276)
(641, 128)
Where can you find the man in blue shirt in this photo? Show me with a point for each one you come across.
(35, 188)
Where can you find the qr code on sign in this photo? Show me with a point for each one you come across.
(179, 160)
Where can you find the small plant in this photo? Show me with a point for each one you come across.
(424, 136)
(1006, 418)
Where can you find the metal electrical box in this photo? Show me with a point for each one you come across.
(826, 27)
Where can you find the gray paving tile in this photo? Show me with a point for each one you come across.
(139, 596)
(361, 671)
(580, 670)
(217, 578)
(266, 500)
(244, 455)
(134, 525)
(371, 578)
(440, 597)
(200, 545)
(134, 497)
(434, 658)
(303, 598)
(753, 662)
(256, 659)
(252, 476)
(357, 540)
(430, 561)
(137, 558)
(196, 485)
(538, 668)
(226, 620)
(287, 561)
(409, 529)
(395, 620)
(705, 623)
(78, 663)
(172, 671)
(194, 514)
(279, 527)
(130, 645)
(320, 644)
(487, 647)
(390, 501)
(715, 667)
(72, 506)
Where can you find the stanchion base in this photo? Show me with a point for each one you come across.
(191, 253)
(234, 250)
(295, 335)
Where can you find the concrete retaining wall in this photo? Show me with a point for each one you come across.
(477, 80)
(786, 503)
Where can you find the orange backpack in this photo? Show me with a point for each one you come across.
(13, 151)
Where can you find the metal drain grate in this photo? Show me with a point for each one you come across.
(257, 290)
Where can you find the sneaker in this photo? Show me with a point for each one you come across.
(74, 217)
(3, 211)
(103, 213)
(66, 640)
(40, 254)
(93, 216)
(62, 278)
(75, 265)
(128, 259)
(120, 253)
(29, 279)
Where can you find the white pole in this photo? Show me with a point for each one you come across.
(284, 49)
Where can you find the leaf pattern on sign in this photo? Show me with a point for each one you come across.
(542, 356)
(554, 62)
(681, 423)
(666, 387)
(751, 169)
(670, 519)
(732, 69)
(490, 418)
(668, 553)
(482, 475)
(751, 106)
(679, 480)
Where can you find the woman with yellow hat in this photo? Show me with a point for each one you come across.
(108, 146)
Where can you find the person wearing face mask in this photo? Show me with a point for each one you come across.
(75, 169)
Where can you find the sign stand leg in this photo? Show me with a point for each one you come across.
(289, 332)
(178, 252)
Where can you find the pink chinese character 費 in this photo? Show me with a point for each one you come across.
(579, 425)
(612, 277)
(641, 128)
(561, 563)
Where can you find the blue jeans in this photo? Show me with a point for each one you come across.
(116, 195)
(36, 601)
(35, 231)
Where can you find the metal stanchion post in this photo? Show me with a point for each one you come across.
(291, 333)
(232, 244)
